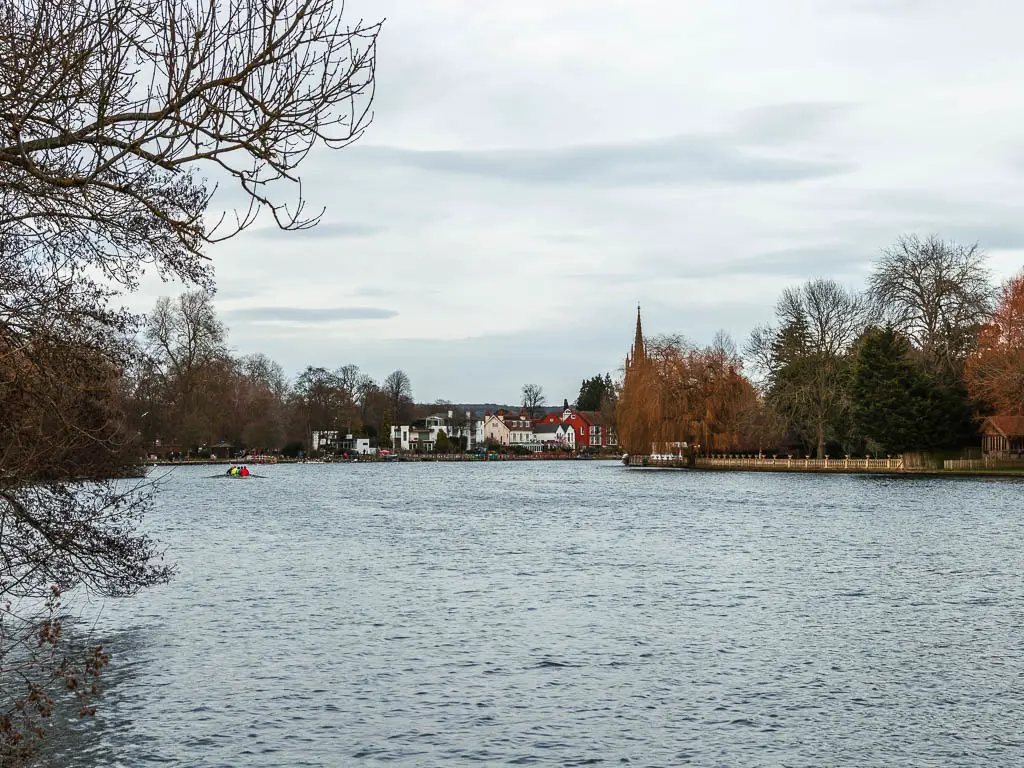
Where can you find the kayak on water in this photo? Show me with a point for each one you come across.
(238, 472)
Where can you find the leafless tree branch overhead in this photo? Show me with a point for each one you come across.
(111, 109)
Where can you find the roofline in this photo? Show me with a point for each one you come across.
(988, 419)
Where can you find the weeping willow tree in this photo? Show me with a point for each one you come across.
(674, 393)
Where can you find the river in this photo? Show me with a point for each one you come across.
(566, 614)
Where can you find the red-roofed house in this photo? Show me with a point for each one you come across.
(602, 432)
(505, 428)
(1003, 436)
(570, 417)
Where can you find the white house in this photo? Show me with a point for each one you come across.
(521, 433)
(359, 446)
(468, 431)
(400, 437)
(331, 441)
(324, 440)
(555, 435)
(496, 430)
(422, 436)
(414, 437)
(509, 429)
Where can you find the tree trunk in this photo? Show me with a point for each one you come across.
(821, 439)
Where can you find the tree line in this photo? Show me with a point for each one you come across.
(187, 392)
(909, 363)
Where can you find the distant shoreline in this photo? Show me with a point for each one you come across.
(375, 460)
(887, 467)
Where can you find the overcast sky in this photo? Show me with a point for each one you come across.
(535, 169)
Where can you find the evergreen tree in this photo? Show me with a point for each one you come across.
(593, 392)
(948, 416)
(897, 405)
(886, 392)
(384, 438)
(441, 443)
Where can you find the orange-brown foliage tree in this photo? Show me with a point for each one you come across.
(680, 393)
(995, 372)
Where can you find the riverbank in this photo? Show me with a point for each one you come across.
(455, 457)
(887, 466)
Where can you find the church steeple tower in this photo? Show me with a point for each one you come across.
(638, 354)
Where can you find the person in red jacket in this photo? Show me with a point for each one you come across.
(244, 472)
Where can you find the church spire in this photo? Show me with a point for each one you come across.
(638, 353)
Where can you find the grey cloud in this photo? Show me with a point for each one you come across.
(993, 225)
(891, 8)
(991, 237)
(308, 314)
(804, 262)
(323, 230)
(233, 292)
(679, 160)
(372, 292)
(568, 238)
(781, 123)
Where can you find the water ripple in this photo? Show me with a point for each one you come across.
(568, 614)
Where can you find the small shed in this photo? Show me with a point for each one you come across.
(1003, 436)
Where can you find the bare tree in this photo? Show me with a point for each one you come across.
(183, 334)
(533, 398)
(834, 316)
(682, 393)
(186, 343)
(109, 105)
(61, 434)
(263, 385)
(111, 114)
(368, 396)
(266, 372)
(398, 389)
(759, 353)
(349, 378)
(803, 361)
(937, 293)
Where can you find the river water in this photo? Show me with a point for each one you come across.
(565, 614)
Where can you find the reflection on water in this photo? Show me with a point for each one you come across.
(567, 614)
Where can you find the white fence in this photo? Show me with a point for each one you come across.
(989, 462)
(826, 464)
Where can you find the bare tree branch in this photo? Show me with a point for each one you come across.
(108, 108)
(937, 293)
